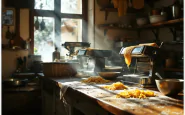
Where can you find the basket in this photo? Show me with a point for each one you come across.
(59, 69)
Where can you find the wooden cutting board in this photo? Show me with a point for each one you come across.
(153, 105)
(106, 99)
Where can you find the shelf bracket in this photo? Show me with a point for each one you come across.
(106, 15)
(156, 34)
(139, 33)
(174, 32)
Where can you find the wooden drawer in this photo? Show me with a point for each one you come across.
(84, 104)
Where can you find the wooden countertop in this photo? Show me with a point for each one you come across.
(106, 99)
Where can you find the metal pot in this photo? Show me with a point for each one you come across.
(155, 12)
(170, 62)
(170, 86)
(176, 11)
(141, 21)
(14, 82)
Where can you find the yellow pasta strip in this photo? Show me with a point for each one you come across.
(115, 86)
(128, 51)
(95, 79)
(135, 94)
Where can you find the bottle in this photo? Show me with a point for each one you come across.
(8, 33)
(56, 54)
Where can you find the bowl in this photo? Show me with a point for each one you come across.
(141, 21)
(12, 82)
(157, 18)
(109, 75)
(113, 69)
(169, 86)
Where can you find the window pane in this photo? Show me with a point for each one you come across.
(44, 4)
(43, 39)
(71, 31)
(71, 6)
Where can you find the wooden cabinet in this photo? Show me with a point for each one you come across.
(25, 102)
(60, 107)
(48, 101)
(51, 102)
(19, 3)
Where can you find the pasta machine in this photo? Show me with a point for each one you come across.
(93, 60)
(147, 61)
(70, 46)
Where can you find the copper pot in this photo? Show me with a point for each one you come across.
(105, 3)
(155, 12)
(170, 62)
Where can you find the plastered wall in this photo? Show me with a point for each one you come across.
(91, 22)
(103, 42)
(9, 57)
(165, 35)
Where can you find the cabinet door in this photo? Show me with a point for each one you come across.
(48, 97)
(47, 104)
(19, 3)
(59, 107)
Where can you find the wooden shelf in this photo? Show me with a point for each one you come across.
(173, 69)
(149, 26)
(14, 49)
(171, 24)
(109, 9)
(115, 28)
(162, 24)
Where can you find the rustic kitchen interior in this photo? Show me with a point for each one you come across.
(92, 57)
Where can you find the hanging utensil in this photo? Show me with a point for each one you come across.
(37, 24)
(130, 9)
(42, 24)
(122, 7)
(130, 3)
(24, 62)
(158, 75)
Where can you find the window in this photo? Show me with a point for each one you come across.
(71, 6)
(71, 31)
(56, 22)
(44, 38)
(44, 4)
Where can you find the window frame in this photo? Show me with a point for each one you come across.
(57, 15)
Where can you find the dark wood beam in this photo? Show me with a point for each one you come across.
(85, 20)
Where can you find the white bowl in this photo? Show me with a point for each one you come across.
(109, 75)
(157, 18)
(141, 21)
